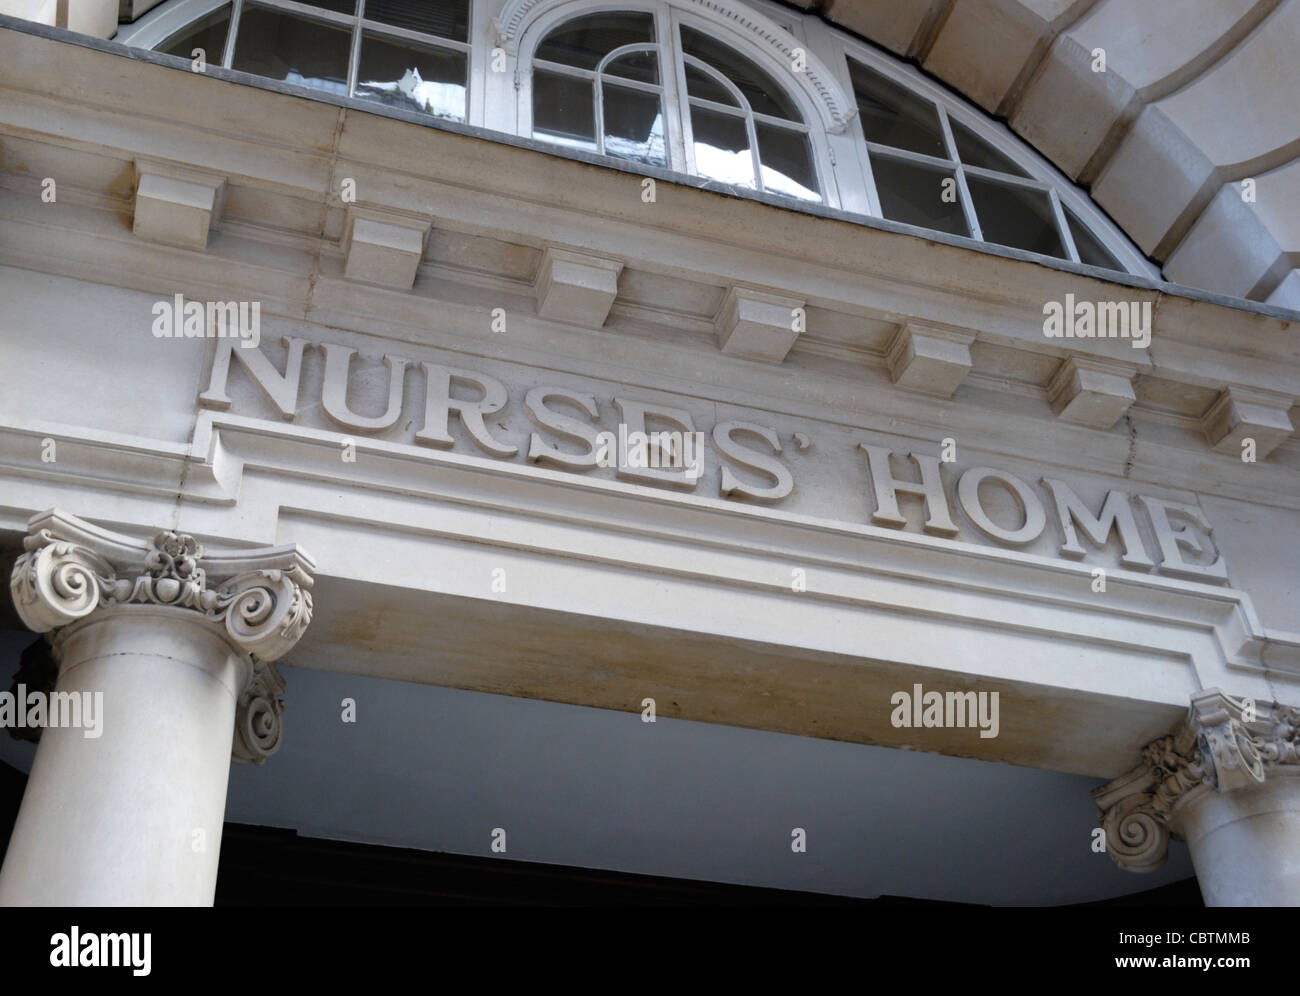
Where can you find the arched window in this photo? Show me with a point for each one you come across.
(597, 86)
(613, 83)
(931, 170)
(745, 129)
(738, 92)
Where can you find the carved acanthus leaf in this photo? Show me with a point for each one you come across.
(1225, 744)
(259, 600)
(264, 610)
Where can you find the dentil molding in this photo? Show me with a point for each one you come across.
(258, 600)
(1225, 744)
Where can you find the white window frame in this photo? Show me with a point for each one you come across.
(669, 18)
(154, 31)
(502, 101)
(835, 49)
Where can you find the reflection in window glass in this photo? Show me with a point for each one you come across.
(786, 159)
(584, 41)
(721, 147)
(564, 110)
(1015, 216)
(444, 18)
(207, 33)
(894, 116)
(634, 125)
(402, 75)
(915, 195)
(765, 96)
(1090, 250)
(293, 49)
(974, 151)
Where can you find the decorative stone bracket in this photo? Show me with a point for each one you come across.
(258, 600)
(1224, 745)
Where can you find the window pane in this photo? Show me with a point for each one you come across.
(284, 47)
(584, 41)
(634, 125)
(722, 147)
(701, 84)
(207, 33)
(564, 110)
(974, 151)
(894, 116)
(763, 93)
(1090, 248)
(413, 77)
(786, 161)
(917, 195)
(643, 66)
(1015, 216)
(444, 18)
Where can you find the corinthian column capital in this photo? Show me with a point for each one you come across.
(258, 600)
(1224, 745)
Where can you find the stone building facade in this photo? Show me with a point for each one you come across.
(903, 389)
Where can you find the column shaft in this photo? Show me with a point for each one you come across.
(134, 816)
(1246, 844)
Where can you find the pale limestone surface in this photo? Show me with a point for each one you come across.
(604, 568)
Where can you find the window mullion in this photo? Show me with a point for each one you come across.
(676, 107)
(963, 189)
(354, 56)
(949, 140)
(228, 55)
(630, 84)
(908, 156)
(598, 96)
(967, 204)
(752, 132)
(1067, 236)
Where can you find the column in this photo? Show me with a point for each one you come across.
(165, 658)
(1228, 782)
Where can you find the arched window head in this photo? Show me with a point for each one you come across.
(641, 86)
(597, 85)
(745, 129)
